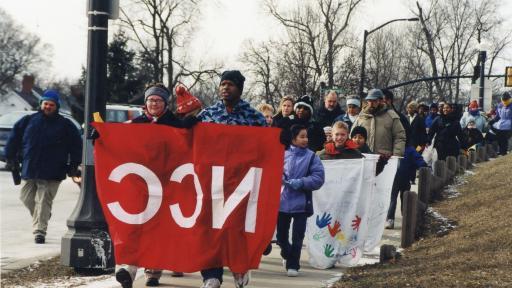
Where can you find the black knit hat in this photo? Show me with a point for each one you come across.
(305, 101)
(505, 96)
(234, 76)
(359, 130)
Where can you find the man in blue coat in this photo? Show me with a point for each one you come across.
(50, 147)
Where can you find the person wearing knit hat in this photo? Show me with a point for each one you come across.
(235, 77)
(353, 110)
(50, 147)
(359, 136)
(473, 115)
(186, 103)
(157, 112)
(51, 95)
(304, 116)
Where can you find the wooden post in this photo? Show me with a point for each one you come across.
(463, 163)
(409, 219)
(472, 157)
(482, 155)
(451, 165)
(490, 151)
(424, 184)
(440, 179)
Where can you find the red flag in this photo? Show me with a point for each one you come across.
(189, 199)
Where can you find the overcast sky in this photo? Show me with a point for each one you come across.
(63, 24)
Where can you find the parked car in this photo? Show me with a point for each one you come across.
(122, 113)
(8, 120)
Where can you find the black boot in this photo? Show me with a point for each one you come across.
(39, 239)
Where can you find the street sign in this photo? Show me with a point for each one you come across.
(508, 76)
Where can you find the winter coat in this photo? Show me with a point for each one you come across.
(430, 119)
(503, 120)
(449, 138)
(472, 136)
(345, 118)
(325, 117)
(300, 163)
(411, 162)
(479, 120)
(385, 131)
(282, 122)
(418, 132)
(347, 151)
(49, 146)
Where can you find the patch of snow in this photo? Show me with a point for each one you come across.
(445, 223)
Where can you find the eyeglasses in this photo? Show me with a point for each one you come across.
(155, 101)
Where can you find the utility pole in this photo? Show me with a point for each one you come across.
(87, 244)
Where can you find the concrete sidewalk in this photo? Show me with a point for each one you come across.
(272, 274)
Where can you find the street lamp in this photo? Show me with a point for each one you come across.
(87, 246)
(482, 47)
(363, 62)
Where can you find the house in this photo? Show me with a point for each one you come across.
(26, 99)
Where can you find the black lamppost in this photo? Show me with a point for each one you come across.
(482, 57)
(87, 244)
(363, 61)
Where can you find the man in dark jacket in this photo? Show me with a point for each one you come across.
(50, 146)
(418, 130)
(331, 109)
(448, 135)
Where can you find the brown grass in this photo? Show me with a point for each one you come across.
(477, 253)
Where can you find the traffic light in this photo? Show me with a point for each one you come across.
(476, 74)
(508, 76)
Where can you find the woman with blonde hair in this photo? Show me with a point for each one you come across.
(284, 113)
(341, 147)
(267, 112)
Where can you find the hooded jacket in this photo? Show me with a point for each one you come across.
(301, 163)
(347, 151)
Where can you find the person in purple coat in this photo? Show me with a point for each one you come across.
(303, 173)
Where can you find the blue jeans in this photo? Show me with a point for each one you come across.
(291, 252)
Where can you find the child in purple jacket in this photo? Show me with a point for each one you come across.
(303, 173)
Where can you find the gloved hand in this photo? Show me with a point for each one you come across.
(74, 172)
(93, 134)
(296, 184)
(383, 160)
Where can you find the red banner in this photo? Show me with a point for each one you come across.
(189, 199)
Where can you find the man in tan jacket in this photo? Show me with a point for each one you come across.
(386, 135)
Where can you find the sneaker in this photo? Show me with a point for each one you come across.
(292, 273)
(124, 277)
(152, 282)
(241, 279)
(390, 224)
(211, 283)
(39, 239)
(176, 274)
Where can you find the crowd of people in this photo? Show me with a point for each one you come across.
(310, 134)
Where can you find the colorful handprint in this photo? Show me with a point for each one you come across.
(334, 229)
(324, 221)
(328, 250)
(356, 222)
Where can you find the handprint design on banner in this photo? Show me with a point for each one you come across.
(324, 221)
(356, 222)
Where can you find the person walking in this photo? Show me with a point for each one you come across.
(230, 110)
(50, 146)
(156, 97)
(303, 173)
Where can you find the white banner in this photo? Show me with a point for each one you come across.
(350, 211)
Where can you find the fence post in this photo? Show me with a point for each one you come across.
(482, 155)
(451, 164)
(463, 163)
(490, 151)
(424, 184)
(409, 219)
(472, 157)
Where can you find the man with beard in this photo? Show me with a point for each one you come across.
(330, 110)
(386, 135)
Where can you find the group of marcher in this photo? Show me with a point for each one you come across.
(50, 147)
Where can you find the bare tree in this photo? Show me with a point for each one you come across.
(20, 50)
(163, 28)
(322, 24)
